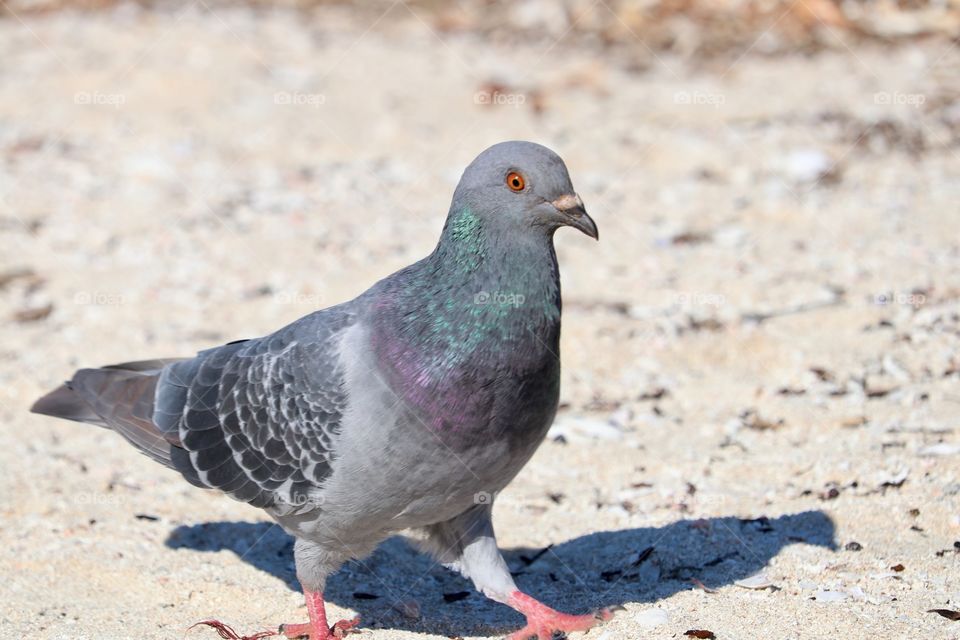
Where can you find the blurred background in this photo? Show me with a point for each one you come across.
(760, 356)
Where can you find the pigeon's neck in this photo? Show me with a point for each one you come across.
(464, 245)
(479, 299)
(510, 279)
(481, 314)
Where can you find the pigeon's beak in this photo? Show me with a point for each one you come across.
(574, 215)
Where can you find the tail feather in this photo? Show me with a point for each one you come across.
(63, 402)
(119, 397)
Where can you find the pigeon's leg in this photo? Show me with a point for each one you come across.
(467, 543)
(317, 628)
(314, 564)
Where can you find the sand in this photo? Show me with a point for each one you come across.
(760, 356)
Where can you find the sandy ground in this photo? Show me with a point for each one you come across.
(760, 356)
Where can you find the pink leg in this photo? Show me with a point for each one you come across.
(543, 622)
(316, 629)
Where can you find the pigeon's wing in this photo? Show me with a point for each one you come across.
(258, 419)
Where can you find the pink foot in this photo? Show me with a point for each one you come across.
(307, 630)
(316, 629)
(544, 623)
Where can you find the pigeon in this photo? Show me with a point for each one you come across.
(407, 408)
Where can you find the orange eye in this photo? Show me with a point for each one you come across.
(515, 181)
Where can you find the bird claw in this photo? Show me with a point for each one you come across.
(227, 632)
(607, 613)
(553, 625)
(544, 623)
(338, 630)
(345, 627)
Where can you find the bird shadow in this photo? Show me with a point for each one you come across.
(398, 587)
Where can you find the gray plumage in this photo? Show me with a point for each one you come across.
(389, 412)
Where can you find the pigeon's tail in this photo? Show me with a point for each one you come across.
(119, 397)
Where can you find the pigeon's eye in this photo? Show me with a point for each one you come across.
(515, 181)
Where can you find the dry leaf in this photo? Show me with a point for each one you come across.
(15, 274)
(946, 613)
(753, 420)
(33, 315)
(702, 586)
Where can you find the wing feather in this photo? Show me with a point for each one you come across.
(259, 419)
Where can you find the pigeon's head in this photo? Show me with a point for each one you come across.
(517, 187)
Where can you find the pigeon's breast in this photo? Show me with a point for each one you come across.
(416, 449)
(505, 387)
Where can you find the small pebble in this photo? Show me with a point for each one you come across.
(830, 596)
(758, 581)
(941, 449)
(584, 428)
(651, 618)
(410, 609)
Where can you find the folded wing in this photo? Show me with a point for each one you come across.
(257, 419)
